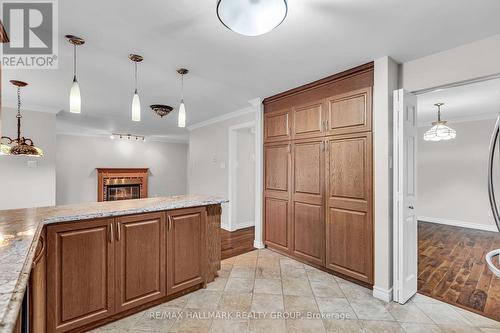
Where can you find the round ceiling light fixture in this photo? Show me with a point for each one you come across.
(252, 17)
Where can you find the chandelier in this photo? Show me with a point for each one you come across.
(439, 130)
(20, 145)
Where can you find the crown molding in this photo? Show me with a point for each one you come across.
(479, 117)
(223, 117)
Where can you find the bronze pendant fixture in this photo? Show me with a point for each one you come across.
(161, 110)
(19, 145)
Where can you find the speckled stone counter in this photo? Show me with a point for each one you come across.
(20, 230)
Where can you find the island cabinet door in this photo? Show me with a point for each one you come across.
(140, 259)
(80, 274)
(186, 248)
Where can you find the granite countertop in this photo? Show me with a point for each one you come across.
(20, 230)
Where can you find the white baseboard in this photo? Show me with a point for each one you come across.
(225, 227)
(382, 294)
(258, 244)
(457, 223)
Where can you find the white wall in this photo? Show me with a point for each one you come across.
(244, 212)
(79, 156)
(22, 186)
(385, 82)
(465, 62)
(452, 182)
(208, 171)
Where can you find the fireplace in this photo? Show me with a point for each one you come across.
(121, 183)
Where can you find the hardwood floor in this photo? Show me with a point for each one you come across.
(452, 268)
(236, 242)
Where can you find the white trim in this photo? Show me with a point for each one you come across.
(382, 294)
(238, 226)
(258, 245)
(220, 118)
(457, 223)
(231, 157)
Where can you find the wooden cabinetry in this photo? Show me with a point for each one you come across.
(103, 269)
(80, 271)
(186, 239)
(140, 259)
(318, 174)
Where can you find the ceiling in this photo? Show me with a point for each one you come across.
(472, 101)
(318, 38)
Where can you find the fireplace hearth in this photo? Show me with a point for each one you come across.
(121, 183)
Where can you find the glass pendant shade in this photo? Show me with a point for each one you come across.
(4, 149)
(251, 17)
(440, 132)
(181, 121)
(136, 107)
(75, 101)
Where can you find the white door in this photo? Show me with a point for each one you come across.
(404, 215)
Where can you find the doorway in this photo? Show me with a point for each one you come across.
(442, 253)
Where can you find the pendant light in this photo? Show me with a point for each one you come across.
(439, 130)
(20, 145)
(252, 17)
(181, 121)
(136, 102)
(75, 100)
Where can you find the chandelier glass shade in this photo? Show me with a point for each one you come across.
(252, 17)
(19, 146)
(439, 130)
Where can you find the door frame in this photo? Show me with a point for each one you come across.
(231, 190)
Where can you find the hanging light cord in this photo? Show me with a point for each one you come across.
(135, 75)
(19, 116)
(182, 87)
(74, 60)
(439, 113)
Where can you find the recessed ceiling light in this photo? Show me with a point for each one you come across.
(252, 17)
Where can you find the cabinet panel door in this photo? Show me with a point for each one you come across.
(277, 170)
(349, 230)
(277, 125)
(186, 257)
(308, 222)
(308, 120)
(350, 112)
(80, 270)
(140, 259)
(276, 216)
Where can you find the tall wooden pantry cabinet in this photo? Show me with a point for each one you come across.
(318, 200)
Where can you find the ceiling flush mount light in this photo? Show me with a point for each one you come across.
(75, 100)
(181, 120)
(130, 137)
(161, 110)
(136, 102)
(252, 17)
(20, 145)
(439, 130)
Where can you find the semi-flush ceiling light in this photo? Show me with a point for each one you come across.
(161, 109)
(75, 101)
(181, 121)
(439, 130)
(136, 102)
(20, 145)
(252, 17)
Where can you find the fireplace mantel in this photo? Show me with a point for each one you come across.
(116, 176)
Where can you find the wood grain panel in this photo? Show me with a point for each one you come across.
(38, 287)
(80, 264)
(309, 232)
(349, 244)
(277, 168)
(308, 120)
(276, 227)
(186, 248)
(277, 126)
(140, 259)
(349, 112)
(308, 167)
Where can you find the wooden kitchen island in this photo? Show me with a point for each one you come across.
(87, 265)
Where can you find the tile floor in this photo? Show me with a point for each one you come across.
(257, 290)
